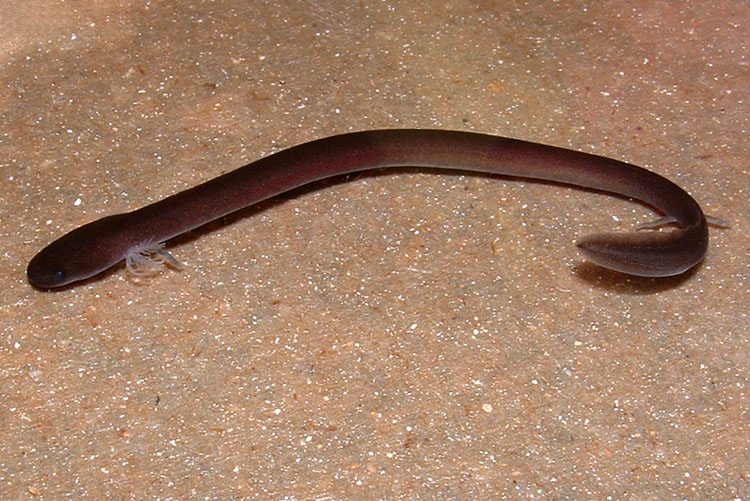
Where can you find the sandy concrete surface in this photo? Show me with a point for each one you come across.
(401, 335)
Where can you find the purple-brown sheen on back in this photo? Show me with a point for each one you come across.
(94, 247)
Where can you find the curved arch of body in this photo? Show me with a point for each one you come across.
(96, 246)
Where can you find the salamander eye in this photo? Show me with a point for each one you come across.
(59, 275)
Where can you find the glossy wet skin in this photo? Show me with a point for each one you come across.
(95, 247)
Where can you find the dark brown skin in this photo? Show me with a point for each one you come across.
(95, 247)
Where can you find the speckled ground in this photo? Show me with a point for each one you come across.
(398, 336)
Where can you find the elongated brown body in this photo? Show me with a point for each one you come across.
(96, 246)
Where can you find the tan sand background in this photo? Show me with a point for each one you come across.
(398, 336)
